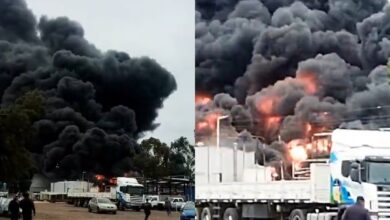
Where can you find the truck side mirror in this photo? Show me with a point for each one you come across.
(355, 172)
(355, 175)
(346, 168)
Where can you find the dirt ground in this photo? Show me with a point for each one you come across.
(63, 211)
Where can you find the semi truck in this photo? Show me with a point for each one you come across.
(230, 184)
(125, 192)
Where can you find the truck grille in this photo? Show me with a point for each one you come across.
(135, 200)
(383, 203)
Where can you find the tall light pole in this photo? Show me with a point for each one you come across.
(218, 148)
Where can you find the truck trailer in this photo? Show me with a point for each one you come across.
(125, 192)
(230, 184)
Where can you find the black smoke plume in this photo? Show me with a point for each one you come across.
(96, 103)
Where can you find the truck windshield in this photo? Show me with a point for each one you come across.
(379, 173)
(133, 190)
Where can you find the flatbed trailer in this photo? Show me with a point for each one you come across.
(81, 199)
(230, 185)
(255, 196)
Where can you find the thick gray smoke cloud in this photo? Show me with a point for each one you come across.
(294, 67)
(96, 103)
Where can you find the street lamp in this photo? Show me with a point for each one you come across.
(218, 127)
(220, 152)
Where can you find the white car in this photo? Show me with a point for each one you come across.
(4, 203)
(177, 203)
(99, 205)
(153, 200)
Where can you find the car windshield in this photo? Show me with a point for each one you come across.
(189, 206)
(103, 200)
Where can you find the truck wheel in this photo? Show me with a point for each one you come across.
(120, 206)
(297, 214)
(206, 214)
(230, 214)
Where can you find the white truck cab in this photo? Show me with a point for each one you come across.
(360, 166)
(129, 193)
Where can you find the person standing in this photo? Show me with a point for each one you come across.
(147, 208)
(168, 206)
(357, 211)
(27, 206)
(13, 208)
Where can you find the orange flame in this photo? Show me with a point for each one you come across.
(266, 105)
(212, 119)
(202, 125)
(202, 100)
(99, 177)
(308, 129)
(272, 122)
(209, 121)
(309, 81)
(298, 153)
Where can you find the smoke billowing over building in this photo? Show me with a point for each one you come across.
(289, 68)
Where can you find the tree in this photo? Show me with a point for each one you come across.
(182, 158)
(16, 133)
(158, 160)
(154, 158)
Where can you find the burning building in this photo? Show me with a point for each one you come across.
(286, 70)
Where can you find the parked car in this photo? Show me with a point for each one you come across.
(4, 202)
(177, 203)
(154, 201)
(102, 205)
(188, 212)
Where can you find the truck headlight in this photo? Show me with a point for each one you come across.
(374, 217)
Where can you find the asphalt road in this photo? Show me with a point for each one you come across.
(63, 211)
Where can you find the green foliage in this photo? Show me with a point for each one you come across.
(153, 160)
(182, 158)
(16, 133)
(158, 160)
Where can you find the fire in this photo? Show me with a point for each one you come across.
(298, 150)
(309, 81)
(209, 121)
(202, 125)
(298, 153)
(212, 119)
(308, 129)
(266, 105)
(274, 173)
(323, 145)
(202, 100)
(272, 122)
(99, 177)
